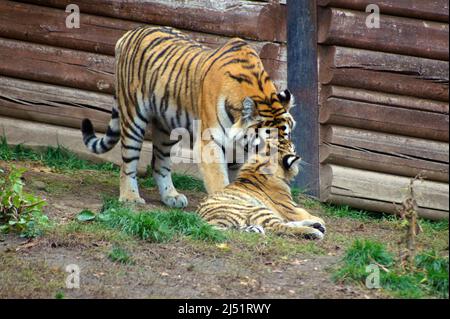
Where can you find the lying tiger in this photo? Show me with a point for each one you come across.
(166, 80)
(257, 201)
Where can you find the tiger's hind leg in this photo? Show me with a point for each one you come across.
(161, 166)
(131, 148)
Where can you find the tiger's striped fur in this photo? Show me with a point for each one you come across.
(166, 80)
(259, 202)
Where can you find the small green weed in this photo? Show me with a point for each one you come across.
(20, 212)
(428, 278)
(120, 255)
(59, 295)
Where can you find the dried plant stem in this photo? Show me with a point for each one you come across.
(408, 212)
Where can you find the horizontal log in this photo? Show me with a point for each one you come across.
(389, 83)
(247, 19)
(52, 104)
(46, 103)
(383, 143)
(71, 68)
(53, 65)
(436, 10)
(44, 25)
(366, 159)
(385, 118)
(383, 207)
(348, 93)
(420, 68)
(396, 34)
(366, 185)
(40, 136)
(396, 74)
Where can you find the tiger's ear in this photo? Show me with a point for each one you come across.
(286, 99)
(290, 160)
(249, 111)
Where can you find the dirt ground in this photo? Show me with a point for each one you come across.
(182, 268)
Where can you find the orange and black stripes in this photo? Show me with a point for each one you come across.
(257, 202)
(166, 80)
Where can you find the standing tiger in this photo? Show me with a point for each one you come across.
(260, 198)
(165, 79)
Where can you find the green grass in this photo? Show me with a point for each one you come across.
(429, 278)
(295, 192)
(62, 158)
(20, 212)
(120, 255)
(340, 211)
(157, 226)
(427, 225)
(180, 181)
(55, 157)
(59, 295)
(344, 211)
(16, 153)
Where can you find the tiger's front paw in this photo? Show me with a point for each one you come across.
(175, 201)
(313, 233)
(318, 224)
(132, 199)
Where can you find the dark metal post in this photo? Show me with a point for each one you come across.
(303, 83)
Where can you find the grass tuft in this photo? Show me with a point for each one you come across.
(59, 295)
(434, 225)
(120, 255)
(346, 212)
(16, 153)
(61, 158)
(157, 226)
(20, 212)
(55, 157)
(428, 278)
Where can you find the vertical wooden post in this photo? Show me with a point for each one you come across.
(303, 83)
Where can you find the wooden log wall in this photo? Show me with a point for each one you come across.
(45, 67)
(384, 104)
(383, 93)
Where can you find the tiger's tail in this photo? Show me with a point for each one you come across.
(106, 143)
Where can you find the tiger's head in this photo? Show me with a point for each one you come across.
(275, 157)
(262, 119)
